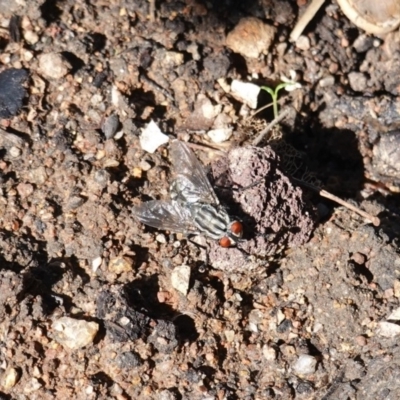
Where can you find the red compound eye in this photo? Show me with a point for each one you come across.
(237, 228)
(225, 242)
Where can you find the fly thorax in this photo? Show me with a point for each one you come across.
(210, 220)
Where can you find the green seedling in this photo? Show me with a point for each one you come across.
(289, 84)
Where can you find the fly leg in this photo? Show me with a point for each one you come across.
(249, 186)
(201, 247)
(240, 189)
(189, 235)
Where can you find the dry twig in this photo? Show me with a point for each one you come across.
(305, 19)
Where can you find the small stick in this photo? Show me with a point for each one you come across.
(205, 148)
(155, 85)
(305, 19)
(260, 109)
(152, 10)
(276, 121)
(280, 101)
(375, 220)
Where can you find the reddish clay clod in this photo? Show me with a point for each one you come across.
(237, 228)
(225, 242)
(273, 211)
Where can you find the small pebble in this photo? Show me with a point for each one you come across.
(128, 360)
(193, 49)
(303, 43)
(361, 340)
(96, 263)
(222, 130)
(396, 288)
(229, 335)
(304, 388)
(180, 278)
(305, 365)
(144, 165)
(24, 190)
(12, 93)
(358, 258)
(161, 238)
(250, 37)
(15, 152)
(110, 126)
(386, 153)
(357, 81)
(120, 265)
(246, 92)
(9, 379)
(152, 138)
(27, 55)
(31, 37)
(73, 333)
(220, 135)
(173, 59)
(75, 202)
(118, 135)
(255, 318)
(137, 172)
(269, 353)
(387, 329)
(53, 65)
(363, 43)
(395, 315)
(102, 176)
(327, 81)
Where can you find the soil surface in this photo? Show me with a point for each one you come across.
(95, 305)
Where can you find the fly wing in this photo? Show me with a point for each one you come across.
(167, 215)
(190, 176)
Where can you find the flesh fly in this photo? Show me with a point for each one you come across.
(193, 207)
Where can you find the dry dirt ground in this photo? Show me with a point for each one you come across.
(89, 305)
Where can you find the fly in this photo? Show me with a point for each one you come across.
(193, 207)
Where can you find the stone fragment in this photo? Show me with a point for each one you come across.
(12, 91)
(220, 135)
(388, 329)
(251, 37)
(73, 333)
(222, 129)
(53, 65)
(386, 153)
(120, 264)
(31, 37)
(305, 365)
(269, 353)
(357, 81)
(269, 202)
(9, 379)
(180, 278)
(110, 126)
(395, 314)
(96, 263)
(303, 43)
(246, 92)
(327, 81)
(152, 138)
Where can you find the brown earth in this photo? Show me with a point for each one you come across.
(318, 321)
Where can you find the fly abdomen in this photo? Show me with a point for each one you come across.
(211, 221)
